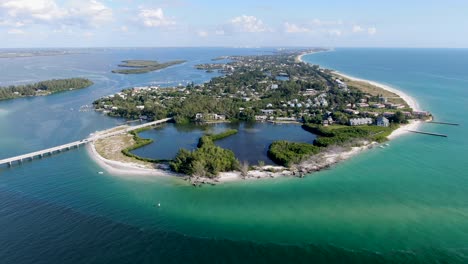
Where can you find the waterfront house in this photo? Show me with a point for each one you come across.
(360, 121)
(267, 111)
(383, 122)
(420, 113)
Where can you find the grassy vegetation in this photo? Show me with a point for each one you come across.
(337, 135)
(208, 160)
(144, 66)
(139, 142)
(224, 134)
(373, 90)
(288, 153)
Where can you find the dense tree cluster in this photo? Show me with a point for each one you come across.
(206, 161)
(329, 136)
(288, 153)
(43, 88)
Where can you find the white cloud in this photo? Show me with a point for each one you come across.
(357, 29)
(293, 28)
(124, 28)
(90, 12)
(335, 32)
(88, 34)
(155, 18)
(42, 10)
(202, 34)
(84, 12)
(372, 31)
(249, 24)
(15, 31)
(220, 32)
(322, 23)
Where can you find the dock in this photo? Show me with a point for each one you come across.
(427, 133)
(76, 144)
(443, 123)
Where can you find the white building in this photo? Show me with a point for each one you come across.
(383, 122)
(360, 121)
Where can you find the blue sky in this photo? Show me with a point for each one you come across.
(333, 23)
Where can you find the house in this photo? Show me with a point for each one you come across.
(362, 105)
(261, 118)
(328, 121)
(218, 117)
(140, 107)
(351, 111)
(267, 111)
(383, 122)
(378, 106)
(269, 105)
(388, 114)
(274, 86)
(341, 84)
(374, 114)
(198, 116)
(420, 113)
(360, 121)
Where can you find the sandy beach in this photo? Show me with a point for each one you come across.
(408, 99)
(318, 162)
(124, 168)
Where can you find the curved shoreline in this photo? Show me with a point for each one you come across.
(403, 129)
(407, 98)
(326, 159)
(123, 168)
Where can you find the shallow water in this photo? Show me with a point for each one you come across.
(407, 203)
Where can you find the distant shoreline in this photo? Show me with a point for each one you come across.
(407, 98)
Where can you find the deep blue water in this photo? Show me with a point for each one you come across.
(407, 203)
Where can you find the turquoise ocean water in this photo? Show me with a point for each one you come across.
(407, 203)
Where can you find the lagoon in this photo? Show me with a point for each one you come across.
(249, 144)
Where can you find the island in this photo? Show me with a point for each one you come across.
(144, 66)
(43, 88)
(24, 53)
(346, 115)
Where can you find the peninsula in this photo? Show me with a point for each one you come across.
(346, 115)
(144, 66)
(43, 88)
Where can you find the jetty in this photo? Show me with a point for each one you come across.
(427, 133)
(76, 144)
(443, 123)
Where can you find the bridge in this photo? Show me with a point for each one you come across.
(76, 144)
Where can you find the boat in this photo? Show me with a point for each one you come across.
(387, 144)
(101, 172)
(381, 146)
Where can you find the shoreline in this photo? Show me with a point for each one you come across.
(123, 168)
(407, 98)
(315, 163)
